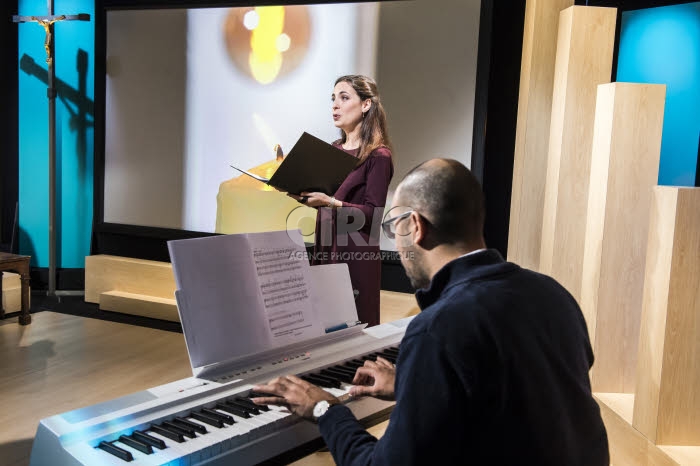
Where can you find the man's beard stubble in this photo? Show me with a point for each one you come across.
(416, 271)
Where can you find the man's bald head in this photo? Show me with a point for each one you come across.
(449, 196)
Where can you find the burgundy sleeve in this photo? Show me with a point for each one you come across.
(379, 172)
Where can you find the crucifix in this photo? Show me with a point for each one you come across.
(47, 22)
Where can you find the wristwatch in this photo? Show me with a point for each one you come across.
(321, 408)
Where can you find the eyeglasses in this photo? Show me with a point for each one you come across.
(389, 226)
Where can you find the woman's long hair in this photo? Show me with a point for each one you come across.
(373, 133)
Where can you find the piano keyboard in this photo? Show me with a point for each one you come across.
(208, 422)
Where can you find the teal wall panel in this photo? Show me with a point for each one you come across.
(74, 62)
(662, 46)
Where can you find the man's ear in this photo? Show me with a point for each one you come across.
(421, 229)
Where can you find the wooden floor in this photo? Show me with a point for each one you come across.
(62, 362)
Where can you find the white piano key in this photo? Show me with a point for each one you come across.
(88, 454)
(172, 452)
(216, 440)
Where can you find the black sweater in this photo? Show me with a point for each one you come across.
(493, 371)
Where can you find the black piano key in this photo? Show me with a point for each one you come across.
(330, 381)
(335, 378)
(254, 394)
(176, 436)
(116, 451)
(347, 370)
(225, 418)
(233, 409)
(145, 438)
(180, 429)
(250, 404)
(136, 444)
(389, 357)
(340, 371)
(394, 351)
(316, 381)
(252, 410)
(181, 421)
(205, 418)
(353, 365)
(344, 377)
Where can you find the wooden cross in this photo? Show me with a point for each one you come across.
(47, 23)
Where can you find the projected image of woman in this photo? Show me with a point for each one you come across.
(348, 221)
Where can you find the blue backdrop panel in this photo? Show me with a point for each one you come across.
(74, 61)
(662, 45)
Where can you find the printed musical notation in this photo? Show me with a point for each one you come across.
(284, 286)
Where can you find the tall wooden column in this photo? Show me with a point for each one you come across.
(584, 60)
(532, 133)
(667, 401)
(624, 169)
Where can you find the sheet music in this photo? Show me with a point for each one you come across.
(332, 297)
(285, 279)
(243, 294)
(220, 296)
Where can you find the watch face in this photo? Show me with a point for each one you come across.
(321, 408)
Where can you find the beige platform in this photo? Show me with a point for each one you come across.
(633, 261)
(11, 292)
(132, 286)
(667, 405)
(532, 133)
(624, 170)
(628, 446)
(584, 60)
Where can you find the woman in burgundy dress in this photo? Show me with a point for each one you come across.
(348, 221)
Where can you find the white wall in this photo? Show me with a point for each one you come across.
(145, 117)
(426, 71)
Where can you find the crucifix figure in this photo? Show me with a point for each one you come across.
(47, 22)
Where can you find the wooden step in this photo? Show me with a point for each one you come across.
(628, 446)
(11, 292)
(105, 273)
(140, 305)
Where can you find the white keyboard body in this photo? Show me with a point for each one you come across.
(72, 438)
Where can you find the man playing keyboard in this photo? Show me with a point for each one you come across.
(493, 371)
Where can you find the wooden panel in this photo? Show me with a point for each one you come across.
(682, 455)
(11, 292)
(140, 305)
(112, 273)
(628, 447)
(584, 60)
(667, 405)
(624, 169)
(395, 306)
(532, 133)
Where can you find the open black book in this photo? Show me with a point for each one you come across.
(311, 165)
